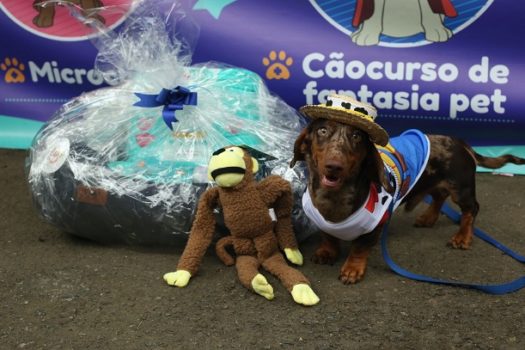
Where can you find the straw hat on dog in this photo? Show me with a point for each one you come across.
(347, 110)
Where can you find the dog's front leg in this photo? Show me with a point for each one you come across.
(432, 24)
(370, 30)
(354, 267)
(46, 15)
(328, 250)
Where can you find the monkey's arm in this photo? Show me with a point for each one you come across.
(277, 193)
(199, 239)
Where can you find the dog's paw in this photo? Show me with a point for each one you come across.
(460, 241)
(438, 35)
(352, 271)
(324, 256)
(351, 276)
(434, 29)
(367, 36)
(368, 33)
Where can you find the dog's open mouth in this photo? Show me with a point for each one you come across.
(330, 181)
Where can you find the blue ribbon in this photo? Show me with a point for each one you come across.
(497, 289)
(172, 100)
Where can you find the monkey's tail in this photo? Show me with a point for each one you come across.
(220, 249)
(494, 162)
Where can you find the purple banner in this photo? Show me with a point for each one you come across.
(458, 74)
(443, 66)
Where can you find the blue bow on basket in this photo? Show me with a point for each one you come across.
(172, 100)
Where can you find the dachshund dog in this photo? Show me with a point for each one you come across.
(344, 165)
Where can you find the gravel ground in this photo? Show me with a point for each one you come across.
(62, 292)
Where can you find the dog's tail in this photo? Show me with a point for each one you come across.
(220, 250)
(494, 162)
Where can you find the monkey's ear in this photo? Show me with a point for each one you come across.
(255, 165)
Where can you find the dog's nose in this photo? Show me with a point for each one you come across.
(333, 166)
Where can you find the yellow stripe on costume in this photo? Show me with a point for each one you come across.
(388, 161)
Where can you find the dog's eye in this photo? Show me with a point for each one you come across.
(322, 131)
(356, 136)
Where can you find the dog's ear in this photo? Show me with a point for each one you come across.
(300, 147)
(375, 168)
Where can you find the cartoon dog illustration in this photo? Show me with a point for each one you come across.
(46, 13)
(401, 18)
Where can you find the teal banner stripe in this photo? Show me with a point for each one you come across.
(17, 133)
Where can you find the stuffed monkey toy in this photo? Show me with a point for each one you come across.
(255, 238)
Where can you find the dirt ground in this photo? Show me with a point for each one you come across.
(61, 292)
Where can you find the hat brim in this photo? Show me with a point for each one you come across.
(376, 133)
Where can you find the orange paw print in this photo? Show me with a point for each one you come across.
(277, 65)
(13, 70)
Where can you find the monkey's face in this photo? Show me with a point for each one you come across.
(228, 166)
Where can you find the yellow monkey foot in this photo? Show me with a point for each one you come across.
(261, 286)
(303, 294)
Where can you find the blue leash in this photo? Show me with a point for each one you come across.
(487, 288)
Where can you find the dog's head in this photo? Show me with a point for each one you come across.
(338, 153)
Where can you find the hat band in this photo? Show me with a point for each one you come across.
(334, 101)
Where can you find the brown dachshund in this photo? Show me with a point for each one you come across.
(344, 165)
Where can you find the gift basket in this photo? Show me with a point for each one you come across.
(127, 163)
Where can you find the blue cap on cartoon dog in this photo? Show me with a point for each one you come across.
(347, 110)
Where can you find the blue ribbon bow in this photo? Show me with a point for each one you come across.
(172, 100)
